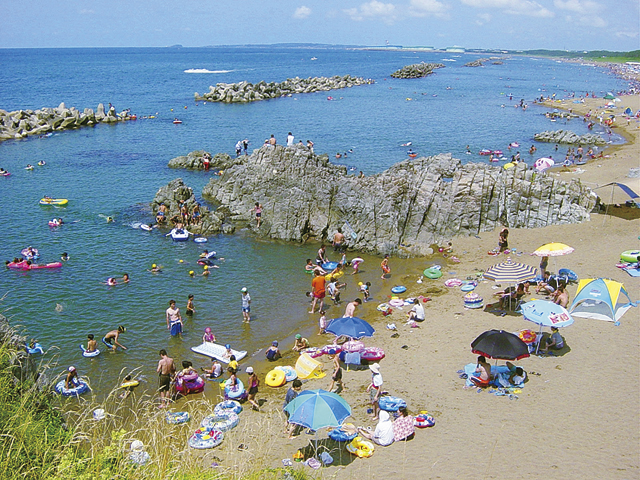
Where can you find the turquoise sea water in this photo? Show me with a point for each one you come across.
(116, 170)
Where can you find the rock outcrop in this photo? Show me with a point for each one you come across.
(476, 63)
(402, 210)
(194, 161)
(417, 70)
(22, 123)
(568, 137)
(174, 194)
(245, 92)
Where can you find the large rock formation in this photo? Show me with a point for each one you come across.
(245, 92)
(22, 123)
(568, 137)
(402, 210)
(174, 194)
(417, 70)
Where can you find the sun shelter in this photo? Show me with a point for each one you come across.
(601, 299)
(307, 367)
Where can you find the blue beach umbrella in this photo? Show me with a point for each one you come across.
(546, 314)
(353, 327)
(317, 409)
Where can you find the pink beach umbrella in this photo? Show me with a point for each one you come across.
(543, 163)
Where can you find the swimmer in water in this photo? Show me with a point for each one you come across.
(109, 219)
(111, 281)
(64, 257)
(155, 268)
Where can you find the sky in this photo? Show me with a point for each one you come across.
(491, 24)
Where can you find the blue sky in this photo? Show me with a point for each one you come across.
(506, 24)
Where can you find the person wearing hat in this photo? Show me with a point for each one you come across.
(205, 271)
(273, 353)
(72, 378)
(253, 383)
(375, 388)
(246, 305)
(155, 268)
(300, 344)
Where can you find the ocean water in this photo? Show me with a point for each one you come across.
(115, 170)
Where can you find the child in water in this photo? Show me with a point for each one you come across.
(190, 308)
(364, 288)
(208, 336)
(322, 322)
(91, 344)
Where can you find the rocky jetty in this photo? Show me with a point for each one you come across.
(22, 123)
(417, 70)
(568, 137)
(403, 210)
(194, 161)
(174, 194)
(477, 63)
(245, 92)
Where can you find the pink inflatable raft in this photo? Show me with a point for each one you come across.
(372, 354)
(189, 383)
(26, 266)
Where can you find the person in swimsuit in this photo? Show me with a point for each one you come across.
(258, 211)
(253, 383)
(111, 339)
(338, 241)
(385, 266)
(72, 378)
(321, 257)
(91, 344)
(166, 370)
(190, 308)
(483, 372)
(208, 336)
(174, 319)
(336, 377)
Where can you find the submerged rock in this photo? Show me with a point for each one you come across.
(403, 210)
(568, 137)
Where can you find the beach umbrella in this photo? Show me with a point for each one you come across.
(317, 409)
(554, 249)
(543, 163)
(609, 96)
(545, 314)
(353, 327)
(509, 271)
(500, 345)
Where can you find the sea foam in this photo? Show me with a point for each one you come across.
(204, 70)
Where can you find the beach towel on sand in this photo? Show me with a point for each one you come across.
(634, 272)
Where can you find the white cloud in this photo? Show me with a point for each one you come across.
(483, 18)
(373, 9)
(423, 8)
(302, 12)
(627, 34)
(527, 8)
(588, 12)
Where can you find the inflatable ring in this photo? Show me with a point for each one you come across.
(372, 354)
(223, 423)
(569, 274)
(468, 287)
(630, 256)
(353, 346)
(176, 418)
(422, 420)
(202, 439)
(340, 435)
(79, 389)
(383, 307)
(432, 273)
(399, 289)
(527, 336)
(200, 240)
(289, 373)
(453, 282)
(275, 378)
(236, 391)
(360, 447)
(228, 406)
(37, 348)
(329, 276)
(396, 302)
(391, 404)
(129, 384)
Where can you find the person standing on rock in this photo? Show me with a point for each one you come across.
(245, 145)
(238, 148)
(258, 211)
(338, 241)
(290, 139)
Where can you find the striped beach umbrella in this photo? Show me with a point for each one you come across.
(554, 249)
(510, 271)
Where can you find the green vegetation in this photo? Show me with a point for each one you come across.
(46, 437)
(595, 55)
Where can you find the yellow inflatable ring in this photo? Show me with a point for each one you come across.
(328, 276)
(383, 307)
(360, 447)
(131, 383)
(275, 378)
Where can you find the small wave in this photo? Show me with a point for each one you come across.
(448, 60)
(204, 70)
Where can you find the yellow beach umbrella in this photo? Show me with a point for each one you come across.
(555, 249)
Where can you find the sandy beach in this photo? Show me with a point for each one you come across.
(578, 414)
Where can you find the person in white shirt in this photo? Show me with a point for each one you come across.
(290, 138)
(417, 312)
